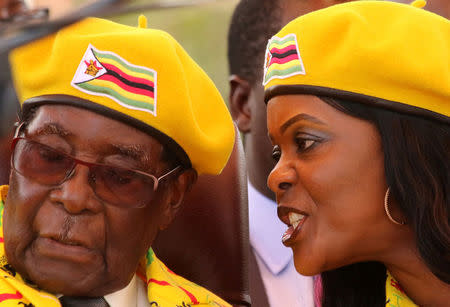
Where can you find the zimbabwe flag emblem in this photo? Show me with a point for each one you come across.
(104, 73)
(282, 58)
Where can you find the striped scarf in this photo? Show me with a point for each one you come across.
(395, 296)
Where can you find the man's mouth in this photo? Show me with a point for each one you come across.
(66, 241)
(64, 238)
(296, 221)
(63, 248)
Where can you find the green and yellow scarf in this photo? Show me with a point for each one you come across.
(395, 296)
(164, 288)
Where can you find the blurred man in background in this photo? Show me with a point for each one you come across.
(9, 9)
(7, 118)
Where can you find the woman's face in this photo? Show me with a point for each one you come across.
(329, 183)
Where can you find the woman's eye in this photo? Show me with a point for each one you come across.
(276, 153)
(304, 144)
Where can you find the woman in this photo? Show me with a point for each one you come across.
(358, 106)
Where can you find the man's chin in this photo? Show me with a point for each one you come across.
(73, 279)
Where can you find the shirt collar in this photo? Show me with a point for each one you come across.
(266, 231)
(125, 297)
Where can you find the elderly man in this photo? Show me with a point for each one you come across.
(116, 123)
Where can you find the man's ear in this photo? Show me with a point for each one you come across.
(239, 104)
(175, 194)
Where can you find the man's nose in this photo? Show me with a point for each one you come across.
(77, 194)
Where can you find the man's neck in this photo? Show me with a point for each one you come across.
(263, 189)
(258, 168)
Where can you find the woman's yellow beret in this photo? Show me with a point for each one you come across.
(137, 75)
(385, 54)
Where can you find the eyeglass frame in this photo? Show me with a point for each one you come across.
(69, 174)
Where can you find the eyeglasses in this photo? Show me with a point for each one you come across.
(118, 186)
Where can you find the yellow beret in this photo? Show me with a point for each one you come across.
(381, 53)
(140, 76)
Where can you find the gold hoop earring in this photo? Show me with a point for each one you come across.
(386, 208)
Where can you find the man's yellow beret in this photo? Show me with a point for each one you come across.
(381, 53)
(137, 75)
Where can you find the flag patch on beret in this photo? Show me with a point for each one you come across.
(105, 73)
(282, 58)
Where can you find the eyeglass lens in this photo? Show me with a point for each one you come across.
(117, 186)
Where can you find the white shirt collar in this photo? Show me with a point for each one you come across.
(133, 295)
(124, 297)
(266, 231)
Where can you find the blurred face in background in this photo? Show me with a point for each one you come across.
(250, 114)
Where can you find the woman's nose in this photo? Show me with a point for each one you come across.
(282, 177)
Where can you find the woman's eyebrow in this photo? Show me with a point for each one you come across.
(299, 117)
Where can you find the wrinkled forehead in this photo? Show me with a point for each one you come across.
(79, 121)
(90, 131)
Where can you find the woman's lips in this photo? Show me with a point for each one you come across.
(296, 221)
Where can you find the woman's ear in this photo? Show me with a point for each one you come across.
(175, 193)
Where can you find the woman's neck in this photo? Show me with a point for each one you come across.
(416, 279)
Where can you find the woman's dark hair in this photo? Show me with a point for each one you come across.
(417, 168)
